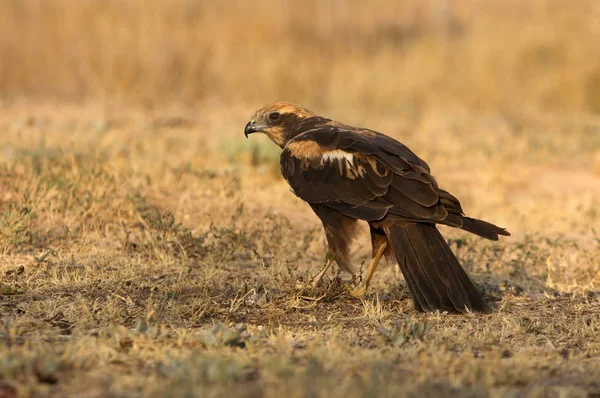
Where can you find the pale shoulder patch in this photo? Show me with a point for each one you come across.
(304, 149)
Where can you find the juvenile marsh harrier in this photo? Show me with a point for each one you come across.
(348, 174)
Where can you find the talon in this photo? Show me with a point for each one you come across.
(358, 292)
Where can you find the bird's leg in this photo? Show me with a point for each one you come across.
(319, 276)
(360, 290)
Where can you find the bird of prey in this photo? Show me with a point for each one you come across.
(347, 174)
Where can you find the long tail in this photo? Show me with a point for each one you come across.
(433, 274)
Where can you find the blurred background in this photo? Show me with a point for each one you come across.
(535, 55)
(133, 212)
(129, 195)
(501, 97)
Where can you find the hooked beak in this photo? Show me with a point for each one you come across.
(250, 128)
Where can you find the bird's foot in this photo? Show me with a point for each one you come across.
(357, 287)
(302, 286)
(317, 278)
(307, 285)
(358, 292)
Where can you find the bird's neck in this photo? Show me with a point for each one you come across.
(308, 124)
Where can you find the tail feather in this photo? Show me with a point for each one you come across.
(483, 228)
(435, 261)
(433, 274)
(414, 266)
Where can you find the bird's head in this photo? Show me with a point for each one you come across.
(276, 121)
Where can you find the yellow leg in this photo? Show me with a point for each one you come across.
(361, 290)
(319, 276)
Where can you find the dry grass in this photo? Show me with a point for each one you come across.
(138, 258)
(149, 250)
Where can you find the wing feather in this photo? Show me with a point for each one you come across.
(425, 194)
(364, 174)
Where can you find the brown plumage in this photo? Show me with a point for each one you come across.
(348, 174)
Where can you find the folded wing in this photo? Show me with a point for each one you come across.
(367, 175)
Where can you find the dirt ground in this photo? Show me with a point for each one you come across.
(148, 249)
(156, 252)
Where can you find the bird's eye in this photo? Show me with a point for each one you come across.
(274, 116)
